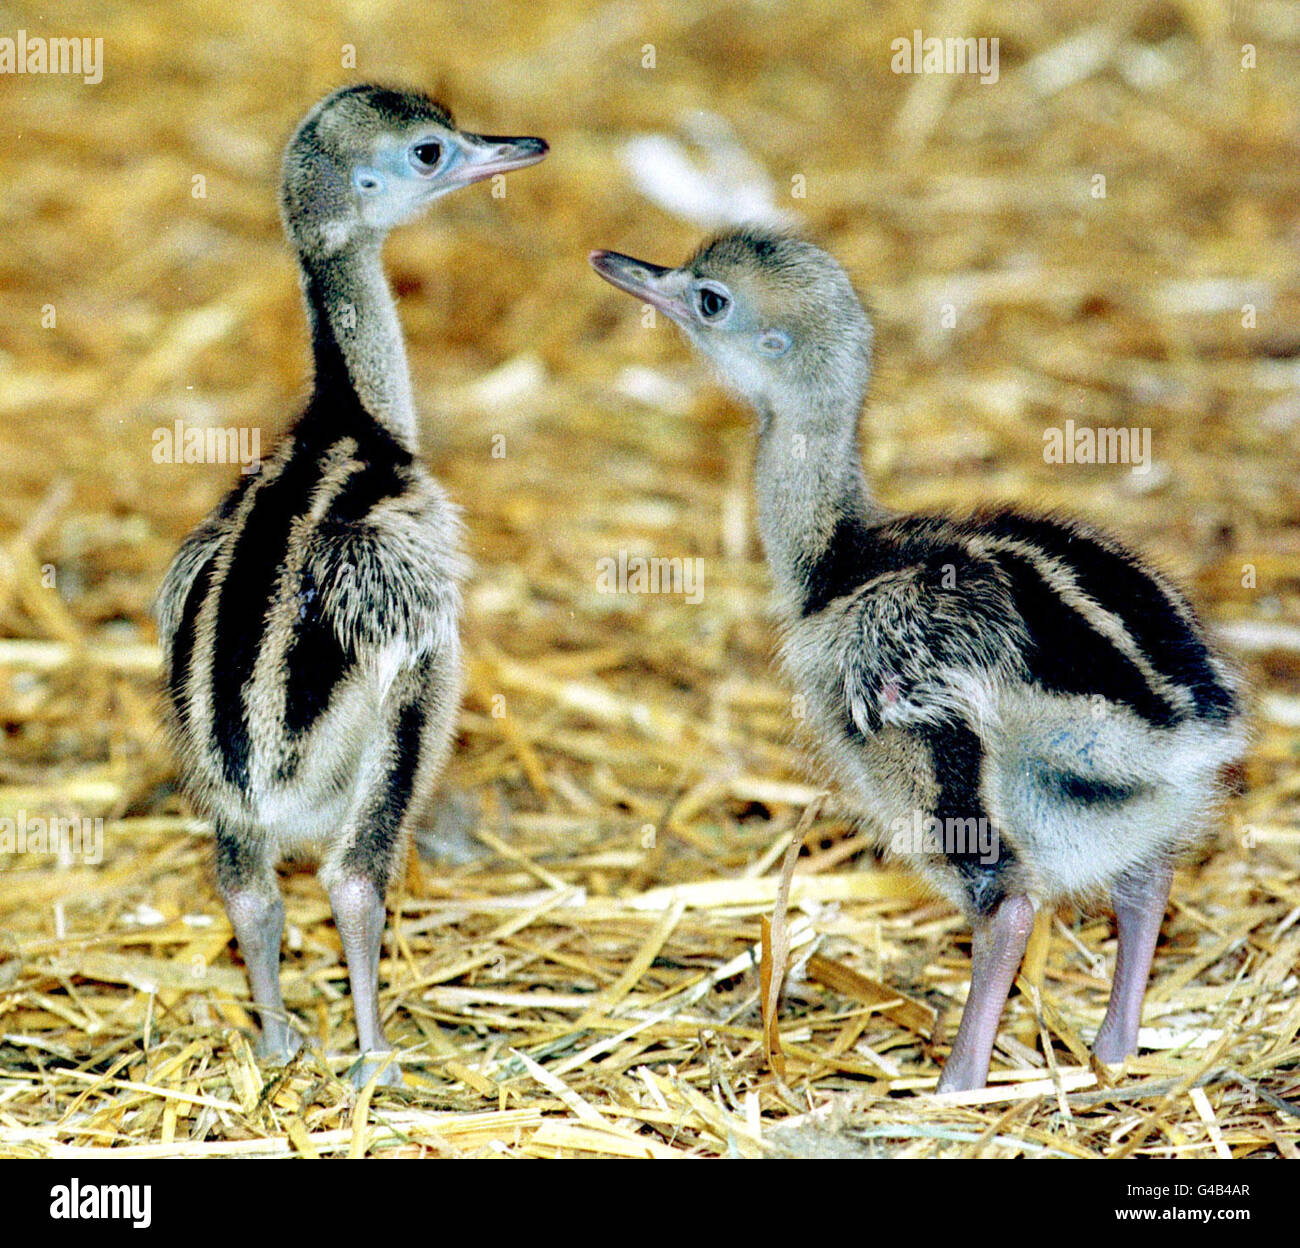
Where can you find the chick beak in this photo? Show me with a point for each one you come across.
(486, 155)
(651, 283)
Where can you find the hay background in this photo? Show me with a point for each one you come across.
(646, 742)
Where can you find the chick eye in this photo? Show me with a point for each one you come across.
(713, 304)
(425, 155)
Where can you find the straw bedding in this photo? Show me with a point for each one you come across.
(571, 960)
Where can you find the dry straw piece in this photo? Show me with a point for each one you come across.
(579, 974)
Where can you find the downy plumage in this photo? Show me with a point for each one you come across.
(310, 625)
(1006, 680)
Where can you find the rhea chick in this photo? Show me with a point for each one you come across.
(1031, 695)
(310, 625)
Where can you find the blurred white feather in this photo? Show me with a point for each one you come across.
(708, 179)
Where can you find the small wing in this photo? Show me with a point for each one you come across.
(928, 643)
(390, 580)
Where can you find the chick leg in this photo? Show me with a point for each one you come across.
(998, 946)
(252, 899)
(359, 915)
(1140, 899)
(359, 880)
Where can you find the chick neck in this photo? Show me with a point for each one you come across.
(810, 484)
(357, 337)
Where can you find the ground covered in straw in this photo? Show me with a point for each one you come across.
(575, 972)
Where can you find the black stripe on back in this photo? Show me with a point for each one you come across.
(850, 558)
(1067, 655)
(314, 666)
(182, 649)
(247, 594)
(365, 490)
(245, 602)
(1171, 645)
(857, 552)
(316, 661)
